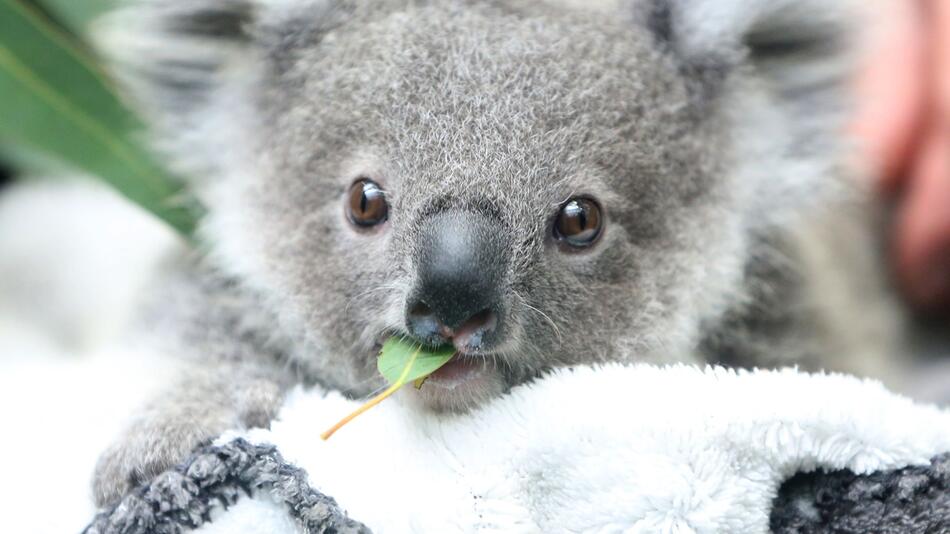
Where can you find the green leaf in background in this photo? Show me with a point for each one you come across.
(55, 99)
(400, 362)
(24, 159)
(76, 14)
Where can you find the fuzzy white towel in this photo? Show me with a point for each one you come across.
(634, 449)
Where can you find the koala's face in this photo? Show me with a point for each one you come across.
(509, 184)
(536, 185)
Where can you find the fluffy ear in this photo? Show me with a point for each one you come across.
(799, 48)
(174, 55)
(190, 66)
(781, 69)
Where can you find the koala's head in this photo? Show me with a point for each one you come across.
(538, 183)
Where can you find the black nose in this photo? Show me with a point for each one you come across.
(461, 269)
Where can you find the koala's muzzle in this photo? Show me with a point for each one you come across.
(460, 275)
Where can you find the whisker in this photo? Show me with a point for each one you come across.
(557, 331)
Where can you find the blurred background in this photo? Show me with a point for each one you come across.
(86, 214)
(77, 181)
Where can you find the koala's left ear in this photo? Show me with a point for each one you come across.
(799, 48)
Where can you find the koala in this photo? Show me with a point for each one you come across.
(542, 184)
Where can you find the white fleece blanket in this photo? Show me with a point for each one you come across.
(635, 449)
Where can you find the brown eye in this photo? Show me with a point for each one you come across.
(366, 203)
(579, 223)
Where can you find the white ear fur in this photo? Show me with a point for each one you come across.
(711, 24)
(187, 64)
(172, 55)
(796, 59)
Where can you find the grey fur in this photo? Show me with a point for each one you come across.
(208, 401)
(707, 129)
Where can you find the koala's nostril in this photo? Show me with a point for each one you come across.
(420, 308)
(472, 334)
(424, 325)
(468, 337)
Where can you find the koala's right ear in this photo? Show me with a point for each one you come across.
(173, 56)
(183, 63)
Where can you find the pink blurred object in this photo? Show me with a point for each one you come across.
(904, 123)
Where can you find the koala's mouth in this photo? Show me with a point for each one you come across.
(459, 370)
(463, 383)
(466, 374)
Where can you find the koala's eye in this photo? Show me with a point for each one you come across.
(579, 223)
(366, 203)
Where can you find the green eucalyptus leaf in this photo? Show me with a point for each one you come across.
(54, 99)
(401, 362)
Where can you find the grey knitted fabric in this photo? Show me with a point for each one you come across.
(910, 500)
(183, 498)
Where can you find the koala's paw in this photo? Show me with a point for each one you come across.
(143, 453)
